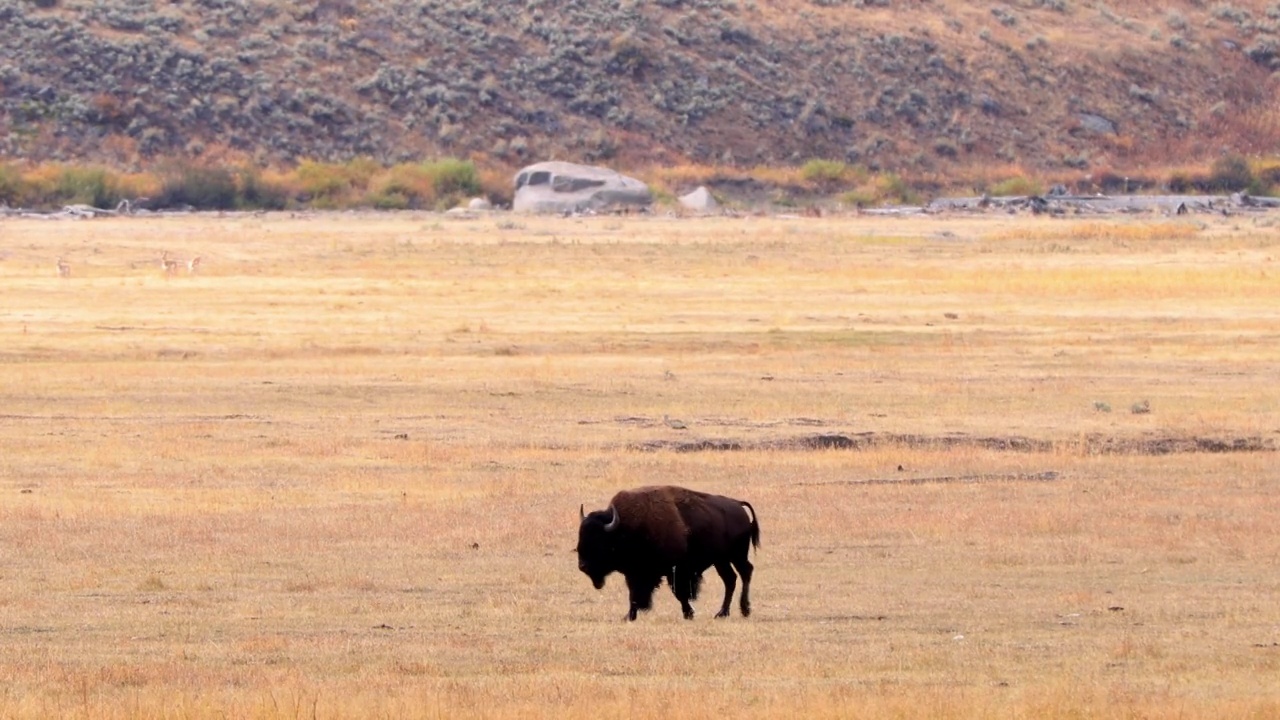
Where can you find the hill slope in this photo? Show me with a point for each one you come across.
(918, 85)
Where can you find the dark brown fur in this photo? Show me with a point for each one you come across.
(674, 533)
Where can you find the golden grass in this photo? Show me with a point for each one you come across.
(337, 472)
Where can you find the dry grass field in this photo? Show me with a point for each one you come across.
(336, 472)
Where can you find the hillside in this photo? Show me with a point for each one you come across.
(923, 86)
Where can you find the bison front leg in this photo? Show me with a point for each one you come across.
(641, 591)
(725, 569)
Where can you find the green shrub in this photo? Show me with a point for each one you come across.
(453, 179)
(1231, 173)
(1016, 186)
(390, 199)
(10, 185)
(859, 198)
(1266, 176)
(1181, 181)
(203, 188)
(322, 183)
(259, 194)
(360, 171)
(87, 186)
(824, 172)
(893, 187)
(402, 187)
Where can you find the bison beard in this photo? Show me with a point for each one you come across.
(652, 533)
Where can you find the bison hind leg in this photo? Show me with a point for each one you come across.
(745, 569)
(725, 571)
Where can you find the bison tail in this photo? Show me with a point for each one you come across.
(755, 524)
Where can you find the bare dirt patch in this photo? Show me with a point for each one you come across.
(1089, 445)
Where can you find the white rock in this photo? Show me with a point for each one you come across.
(561, 187)
(700, 199)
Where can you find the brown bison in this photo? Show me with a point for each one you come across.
(652, 533)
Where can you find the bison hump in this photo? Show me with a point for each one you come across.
(652, 515)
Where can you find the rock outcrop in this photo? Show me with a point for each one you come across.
(562, 187)
(700, 200)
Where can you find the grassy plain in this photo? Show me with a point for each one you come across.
(337, 472)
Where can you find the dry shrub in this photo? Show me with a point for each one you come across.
(1113, 181)
(1018, 185)
(826, 173)
(1231, 172)
(10, 184)
(884, 188)
(138, 186)
(680, 173)
(332, 185)
(120, 150)
(432, 185)
(402, 187)
(320, 183)
(496, 183)
(39, 184)
(780, 176)
(1267, 172)
(265, 191)
(200, 186)
(980, 176)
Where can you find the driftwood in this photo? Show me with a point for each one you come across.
(78, 211)
(1105, 204)
(897, 210)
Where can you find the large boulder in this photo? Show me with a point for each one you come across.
(562, 187)
(700, 200)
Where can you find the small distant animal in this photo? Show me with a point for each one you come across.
(652, 533)
(64, 268)
(193, 265)
(673, 423)
(168, 264)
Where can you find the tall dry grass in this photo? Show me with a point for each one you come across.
(337, 472)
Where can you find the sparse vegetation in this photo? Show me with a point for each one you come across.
(129, 85)
(182, 184)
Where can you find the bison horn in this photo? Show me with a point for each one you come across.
(582, 511)
(613, 523)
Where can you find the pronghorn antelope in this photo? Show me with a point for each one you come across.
(64, 268)
(193, 265)
(168, 264)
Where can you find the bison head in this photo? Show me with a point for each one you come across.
(596, 544)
